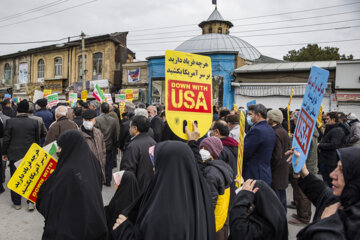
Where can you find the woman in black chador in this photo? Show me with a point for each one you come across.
(70, 200)
(176, 204)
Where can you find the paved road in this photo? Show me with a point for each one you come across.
(21, 224)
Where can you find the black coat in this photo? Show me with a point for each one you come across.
(258, 216)
(78, 121)
(20, 133)
(334, 138)
(279, 166)
(157, 125)
(167, 134)
(344, 224)
(8, 111)
(219, 176)
(136, 159)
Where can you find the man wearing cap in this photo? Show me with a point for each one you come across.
(107, 126)
(46, 115)
(354, 137)
(20, 133)
(94, 138)
(279, 166)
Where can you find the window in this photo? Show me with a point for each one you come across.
(41, 68)
(80, 70)
(220, 30)
(7, 73)
(58, 67)
(210, 29)
(97, 66)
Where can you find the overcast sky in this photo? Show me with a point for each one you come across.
(108, 16)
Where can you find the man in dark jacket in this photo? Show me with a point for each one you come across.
(279, 166)
(136, 156)
(46, 115)
(78, 116)
(20, 133)
(61, 125)
(125, 125)
(107, 126)
(334, 138)
(156, 123)
(7, 109)
(258, 146)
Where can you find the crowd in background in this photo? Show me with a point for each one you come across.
(185, 189)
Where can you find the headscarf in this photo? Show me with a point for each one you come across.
(349, 158)
(128, 191)
(71, 200)
(268, 206)
(176, 204)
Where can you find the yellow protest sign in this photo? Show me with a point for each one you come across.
(319, 120)
(240, 158)
(34, 169)
(84, 95)
(188, 91)
(122, 108)
(288, 112)
(236, 108)
(129, 95)
(47, 92)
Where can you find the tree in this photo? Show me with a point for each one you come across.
(312, 52)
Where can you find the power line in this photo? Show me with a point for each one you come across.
(265, 46)
(257, 30)
(48, 14)
(48, 5)
(258, 35)
(261, 16)
(43, 41)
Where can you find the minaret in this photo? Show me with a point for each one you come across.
(215, 24)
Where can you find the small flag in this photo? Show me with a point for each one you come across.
(134, 76)
(98, 94)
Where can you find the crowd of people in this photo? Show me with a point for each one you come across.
(169, 188)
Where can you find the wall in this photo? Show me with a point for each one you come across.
(348, 75)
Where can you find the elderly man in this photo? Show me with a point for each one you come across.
(61, 125)
(156, 123)
(94, 138)
(107, 126)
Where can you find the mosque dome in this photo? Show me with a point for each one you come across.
(216, 38)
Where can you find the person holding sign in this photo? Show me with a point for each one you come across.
(20, 133)
(337, 214)
(258, 145)
(70, 199)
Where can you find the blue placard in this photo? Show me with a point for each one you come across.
(251, 103)
(315, 90)
(7, 95)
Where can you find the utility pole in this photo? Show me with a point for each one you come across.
(83, 60)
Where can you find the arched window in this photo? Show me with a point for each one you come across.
(210, 29)
(41, 69)
(7, 73)
(220, 30)
(80, 70)
(97, 66)
(58, 67)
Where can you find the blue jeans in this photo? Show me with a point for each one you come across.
(281, 194)
(108, 167)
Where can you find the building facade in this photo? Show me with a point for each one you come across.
(59, 67)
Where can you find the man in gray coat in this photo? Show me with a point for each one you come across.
(354, 137)
(107, 125)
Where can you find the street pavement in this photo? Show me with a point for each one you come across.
(25, 225)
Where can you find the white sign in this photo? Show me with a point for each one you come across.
(23, 71)
(38, 95)
(104, 83)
